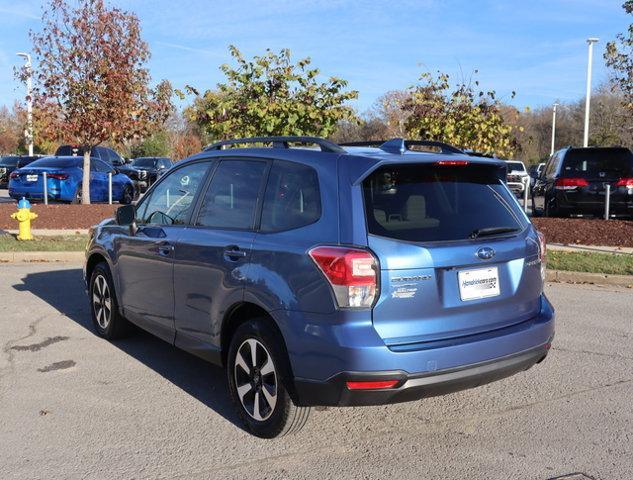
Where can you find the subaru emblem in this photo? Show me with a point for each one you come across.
(485, 253)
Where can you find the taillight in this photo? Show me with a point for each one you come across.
(57, 176)
(542, 253)
(14, 175)
(372, 385)
(352, 273)
(625, 182)
(570, 183)
(452, 163)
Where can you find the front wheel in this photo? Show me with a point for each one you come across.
(258, 376)
(107, 320)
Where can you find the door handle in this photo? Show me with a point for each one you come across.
(233, 252)
(165, 249)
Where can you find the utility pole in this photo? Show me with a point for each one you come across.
(590, 41)
(553, 127)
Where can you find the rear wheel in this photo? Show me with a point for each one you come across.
(127, 196)
(258, 376)
(106, 318)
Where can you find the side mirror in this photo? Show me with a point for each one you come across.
(126, 216)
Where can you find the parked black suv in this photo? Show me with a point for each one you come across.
(13, 162)
(574, 181)
(154, 168)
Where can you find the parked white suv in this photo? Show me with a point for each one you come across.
(517, 176)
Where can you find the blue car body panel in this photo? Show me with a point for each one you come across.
(65, 190)
(188, 299)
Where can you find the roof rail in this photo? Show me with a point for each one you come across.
(279, 142)
(400, 145)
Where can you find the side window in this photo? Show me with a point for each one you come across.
(98, 153)
(231, 199)
(99, 166)
(172, 199)
(292, 197)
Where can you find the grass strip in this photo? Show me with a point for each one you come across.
(63, 243)
(608, 263)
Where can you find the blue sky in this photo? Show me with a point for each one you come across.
(534, 47)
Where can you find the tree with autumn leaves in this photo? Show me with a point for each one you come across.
(271, 95)
(91, 84)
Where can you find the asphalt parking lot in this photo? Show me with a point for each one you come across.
(76, 406)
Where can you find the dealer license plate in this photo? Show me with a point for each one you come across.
(479, 283)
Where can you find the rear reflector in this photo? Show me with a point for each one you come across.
(451, 163)
(570, 183)
(352, 273)
(372, 385)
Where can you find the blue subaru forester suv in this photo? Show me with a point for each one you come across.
(328, 276)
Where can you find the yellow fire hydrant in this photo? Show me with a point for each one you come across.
(24, 217)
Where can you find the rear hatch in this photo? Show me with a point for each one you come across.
(587, 171)
(457, 256)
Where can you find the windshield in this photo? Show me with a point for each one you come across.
(598, 163)
(423, 203)
(143, 162)
(515, 166)
(53, 162)
(9, 161)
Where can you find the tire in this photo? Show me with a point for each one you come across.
(127, 196)
(77, 197)
(104, 309)
(266, 385)
(549, 209)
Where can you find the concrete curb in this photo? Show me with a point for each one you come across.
(42, 257)
(585, 277)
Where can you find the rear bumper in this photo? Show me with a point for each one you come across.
(334, 391)
(325, 354)
(516, 187)
(594, 203)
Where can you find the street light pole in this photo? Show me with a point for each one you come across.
(590, 41)
(29, 101)
(553, 127)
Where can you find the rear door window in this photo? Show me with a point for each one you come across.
(292, 198)
(424, 203)
(231, 200)
(598, 163)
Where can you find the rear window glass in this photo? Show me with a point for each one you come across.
(57, 162)
(598, 162)
(292, 197)
(143, 162)
(9, 161)
(421, 203)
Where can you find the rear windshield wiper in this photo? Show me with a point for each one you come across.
(485, 232)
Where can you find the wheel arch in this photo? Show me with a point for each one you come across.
(240, 313)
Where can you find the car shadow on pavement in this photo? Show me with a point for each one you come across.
(64, 291)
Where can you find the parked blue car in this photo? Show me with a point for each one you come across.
(64, 179)
(331, 276)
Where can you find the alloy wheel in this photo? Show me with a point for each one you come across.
(102, 301)
(256, 379)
